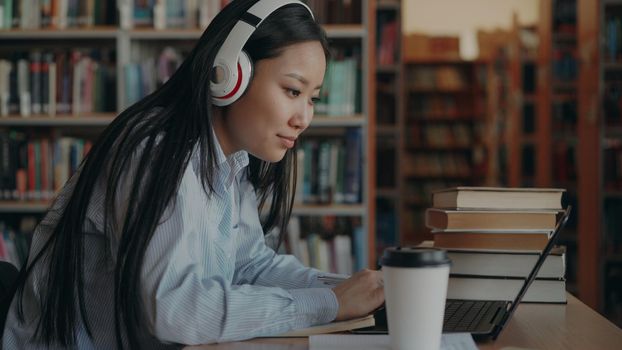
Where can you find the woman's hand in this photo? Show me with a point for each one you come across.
(359, 295)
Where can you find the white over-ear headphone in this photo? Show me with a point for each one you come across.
(232, 68)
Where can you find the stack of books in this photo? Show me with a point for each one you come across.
(494, 237)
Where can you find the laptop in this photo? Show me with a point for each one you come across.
(484, 319)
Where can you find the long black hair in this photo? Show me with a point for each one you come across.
(166, 139)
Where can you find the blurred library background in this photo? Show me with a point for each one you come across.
(417, 97)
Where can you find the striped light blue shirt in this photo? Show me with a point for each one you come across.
(208, 275)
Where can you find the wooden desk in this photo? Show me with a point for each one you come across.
(534, 326)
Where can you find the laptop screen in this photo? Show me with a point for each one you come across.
(532, 275)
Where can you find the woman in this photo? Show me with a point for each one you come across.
(157, 239)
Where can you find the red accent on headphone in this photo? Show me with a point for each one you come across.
(237, 85)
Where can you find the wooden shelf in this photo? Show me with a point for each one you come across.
(100, 32)
(447, 117)
(30, 207)
(91, 119)
(434, 90)
(447, 148)
(439, 61)
(41, 206)
(337, 121)
(111, 32)
(336, 31)
(329, 209)
(388, 5)
(157, 34)
(344, 31)
(436, 177)
(103, 119)
(391, 68)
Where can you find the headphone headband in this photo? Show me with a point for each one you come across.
(230, 63)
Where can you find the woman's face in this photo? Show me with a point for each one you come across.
(278, 105)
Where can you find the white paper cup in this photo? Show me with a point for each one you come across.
(415, 288)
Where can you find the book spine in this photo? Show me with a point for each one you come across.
(23, 83)
(353, 166)
(360, 248)
(52, 83)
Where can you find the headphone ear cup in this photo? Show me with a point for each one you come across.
(242, 79)
(246, 66)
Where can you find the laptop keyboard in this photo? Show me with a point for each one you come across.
(463, 316)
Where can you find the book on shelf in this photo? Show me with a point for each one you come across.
(493, 198)
(525, 240)
(329, 169)
(324, 243)
(58, 14)
(549, 290)
(441, 78)
(162, 14)
(333, 327)
(480, 220)
(337, 11)
(613, 37)
(338, 95)
(149, 69)
(13, 246)
(58, 81)
(15, 239)
(35, 168)
(387, 46)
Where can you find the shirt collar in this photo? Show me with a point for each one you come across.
(228, 167)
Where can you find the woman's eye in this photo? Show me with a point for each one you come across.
(293, 92)
(315, 100)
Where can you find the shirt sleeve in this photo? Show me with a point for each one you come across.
(258, 264)
(188, 301)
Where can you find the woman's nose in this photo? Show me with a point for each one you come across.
(303, 117)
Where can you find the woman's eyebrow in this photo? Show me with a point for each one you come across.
(301, 79)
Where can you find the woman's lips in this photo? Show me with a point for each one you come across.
(287, 141)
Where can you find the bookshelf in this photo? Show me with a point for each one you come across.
(516, 70)
(445, 119)
(348, 32)
(540, 132)
(574, 139)
(389, 120)
(570, 136)
(557, 130)
(603, 132)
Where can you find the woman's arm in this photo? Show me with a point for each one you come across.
(187, 288)
(256, 263)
